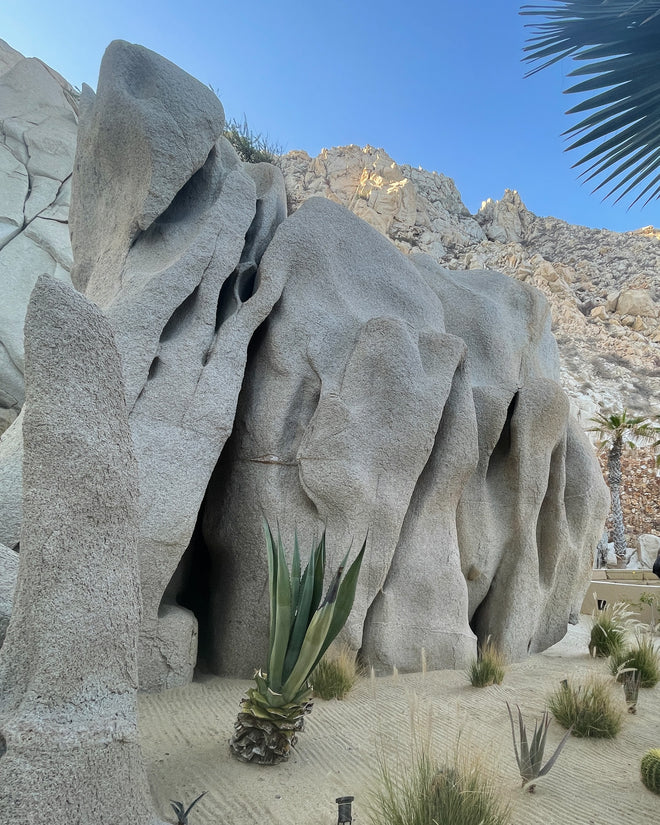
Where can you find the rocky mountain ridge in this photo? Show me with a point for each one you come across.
(603, 286)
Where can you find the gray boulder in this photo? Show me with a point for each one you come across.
(648, 548)
(339, 412)
(170, 250)
(68, 669)
(531, 513)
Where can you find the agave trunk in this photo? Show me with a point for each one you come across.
(265, 735)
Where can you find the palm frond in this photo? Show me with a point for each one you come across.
(616, 44)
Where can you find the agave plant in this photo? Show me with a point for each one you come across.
(181, 811)
(301, 630)
(530, 757)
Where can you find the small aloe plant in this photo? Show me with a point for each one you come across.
(530, 757)
(181, 811)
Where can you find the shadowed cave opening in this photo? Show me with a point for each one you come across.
(497, 463)
(479, 621)
(201, 575)
(503, 447)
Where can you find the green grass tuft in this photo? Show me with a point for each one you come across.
(590, 707)
(336, 674)
(423, 793)
(251, 147)
(489, 667)
(643, 656)
(608, 630)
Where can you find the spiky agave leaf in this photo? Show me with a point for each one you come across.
(182, 812)
(326, 622)
(530, 757)
(280, 608)
(309, 596)
(345, 599)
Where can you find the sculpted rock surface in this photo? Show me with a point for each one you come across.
(183, 299)
(338, 416)
(38, 123)
(367, 411)
(8, 573)
(68, 677)
(303, 368)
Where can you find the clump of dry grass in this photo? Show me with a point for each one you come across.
(609, 628)
(489, 667)
(336, 674)
(423, 791)
(642, 656)
(589, 706)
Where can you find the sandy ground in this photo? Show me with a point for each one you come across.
(594, 782)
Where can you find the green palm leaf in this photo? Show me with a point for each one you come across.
(617, 43)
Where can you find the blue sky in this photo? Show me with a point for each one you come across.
(436, 84)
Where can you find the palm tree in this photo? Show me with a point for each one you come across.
(616, 43)
(616, 431)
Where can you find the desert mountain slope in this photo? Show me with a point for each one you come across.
(603, 286)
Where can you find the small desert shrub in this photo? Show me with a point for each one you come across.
(590, 707)
(336, 674)
(608, 629)
(422, 793)
(251, 147)
(530, 754)
(489, 667)
(643, 656)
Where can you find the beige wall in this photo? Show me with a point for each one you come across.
(629, 591)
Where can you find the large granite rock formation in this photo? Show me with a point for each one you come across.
(388, 395)
(305, 369)
(168, 228)
(69, 748)
(38, 124)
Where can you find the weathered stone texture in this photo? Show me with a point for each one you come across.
(38, 124)
(421, 405)
(305, 369)
(170, 250)
(8, 573)
(68, 675)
